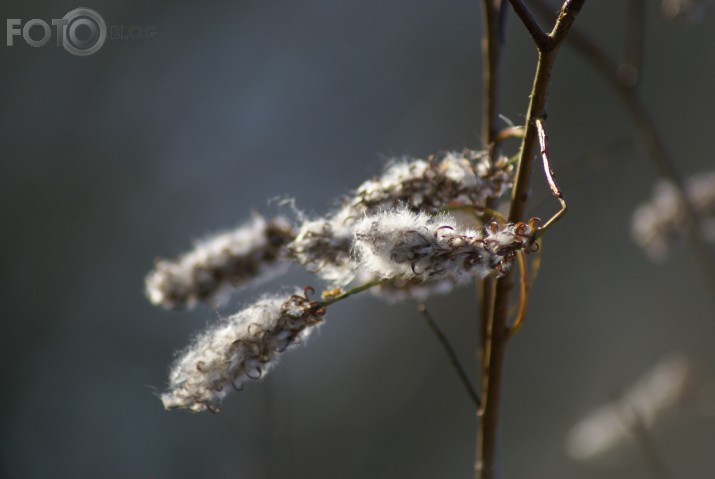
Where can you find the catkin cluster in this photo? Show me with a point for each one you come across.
(259, 249)
(417, 185)
(390, 229)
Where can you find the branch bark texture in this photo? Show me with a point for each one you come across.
(496, 334)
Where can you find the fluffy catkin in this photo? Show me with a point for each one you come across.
(247, 254)
(416, 247)
(238, 349)
(323, 245)
(466, 177)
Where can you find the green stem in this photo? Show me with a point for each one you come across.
(350, 292)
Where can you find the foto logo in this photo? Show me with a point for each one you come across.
(81, 31)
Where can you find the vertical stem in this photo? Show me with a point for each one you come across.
(492, 38)
(491, 385)
(494, 15)
(497, 331)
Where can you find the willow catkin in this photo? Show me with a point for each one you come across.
(418, 247)
(238, 349)
(245, 255)
(467, 177)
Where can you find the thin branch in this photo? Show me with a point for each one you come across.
(532, 26)
(492, 42)
(549, 173)
(454, 361)
(497, 331)
(651, 137)
(330, 299)
(567, 16)
(537, 108)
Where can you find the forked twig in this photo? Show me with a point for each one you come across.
(652, 139)
(532, 26)
(495, 329)
(524, 281)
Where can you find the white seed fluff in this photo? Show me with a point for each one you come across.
(247, 254)
(467, 177)
(416, 246)
(323, 245)
(238, 349)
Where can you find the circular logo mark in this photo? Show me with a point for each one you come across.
(84, 32)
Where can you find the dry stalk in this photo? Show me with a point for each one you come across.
(496, 331)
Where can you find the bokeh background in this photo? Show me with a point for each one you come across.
(112, 160)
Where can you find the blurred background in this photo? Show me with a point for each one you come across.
(112, 160)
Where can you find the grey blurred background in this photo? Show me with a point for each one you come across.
(112, 160)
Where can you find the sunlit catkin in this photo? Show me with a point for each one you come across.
(238, 349)
(417, 246)
(247, 254)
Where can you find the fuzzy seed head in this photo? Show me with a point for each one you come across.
(323, 245)
(248, 254)
(465, 177)
(238, 349)
(419, 247)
